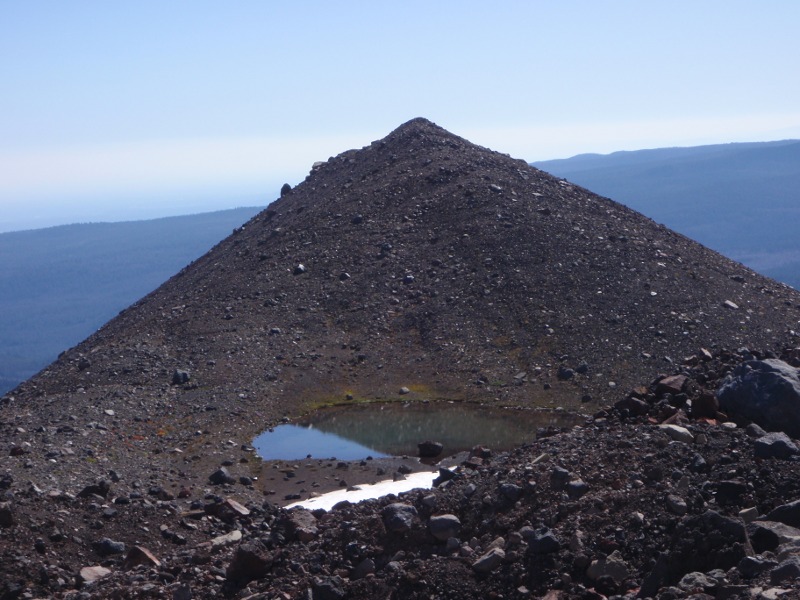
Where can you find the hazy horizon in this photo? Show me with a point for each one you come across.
(46, 211)
(140, 107)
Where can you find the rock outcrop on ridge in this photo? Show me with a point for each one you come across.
(420, 263)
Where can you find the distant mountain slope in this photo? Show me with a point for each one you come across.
(740, 199)
(58, 285)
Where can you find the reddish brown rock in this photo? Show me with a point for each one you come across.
(671, 385)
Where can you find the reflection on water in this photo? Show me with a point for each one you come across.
(355, 432)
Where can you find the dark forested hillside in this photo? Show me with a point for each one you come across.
(58, 285)
(740, 199)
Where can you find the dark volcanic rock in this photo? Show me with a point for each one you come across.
(775, 445)
(786, 513)
(428, 449)
(252, 560)
(221, 477)
(766, 392)
(6, 514)
(399, 517)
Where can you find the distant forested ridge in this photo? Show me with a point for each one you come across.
(742, 200)
(58, 285)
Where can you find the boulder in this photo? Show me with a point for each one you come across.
(775, 445)
(787, 571)
(490, 561)
(328, 588)
(221, 477)
(510, 491)
(543, 541)
(751, 566)
(107, 547)
(671, 385)
(428, 449)
(228, 510)
(101, 488)
(705, 542)
(768, 535)
(612, 566)
(788, 514)
(301, 524)
(92, 574)
(399, 517)
(251, 561)
(766, 392)
(443, 527)
(226, 540)
(678, 433)
(577, 488)
(180, 377)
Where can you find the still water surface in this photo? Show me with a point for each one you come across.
(381, 430)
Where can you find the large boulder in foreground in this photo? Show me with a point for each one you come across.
(765, 391)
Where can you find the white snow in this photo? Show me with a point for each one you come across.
(423, 479)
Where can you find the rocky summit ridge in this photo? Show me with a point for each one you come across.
(421, 263)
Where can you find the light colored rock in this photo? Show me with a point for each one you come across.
(227, 539)
(92, 574)
(613, 565)
(678, 433)
(443, 527)
(748, 515)
(489, 561)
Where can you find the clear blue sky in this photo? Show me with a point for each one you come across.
(114, 110)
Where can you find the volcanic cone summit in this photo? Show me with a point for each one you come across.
(427, 262)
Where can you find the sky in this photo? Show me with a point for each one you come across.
(121, 110)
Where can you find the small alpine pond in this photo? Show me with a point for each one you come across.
(381, 430)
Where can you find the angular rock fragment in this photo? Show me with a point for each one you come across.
(768, 535)
(139, 555)
(443, 527)
(107, 547)
(613, 566)
(92, 574)
(222, 477)
(101, 488)
(251, 561)
(489, 561)
(328, 588)
(543, 541)
(399, 517)
(786, 513)
(300, 524)
(671, 385)
(226, 540)
(775, 445)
